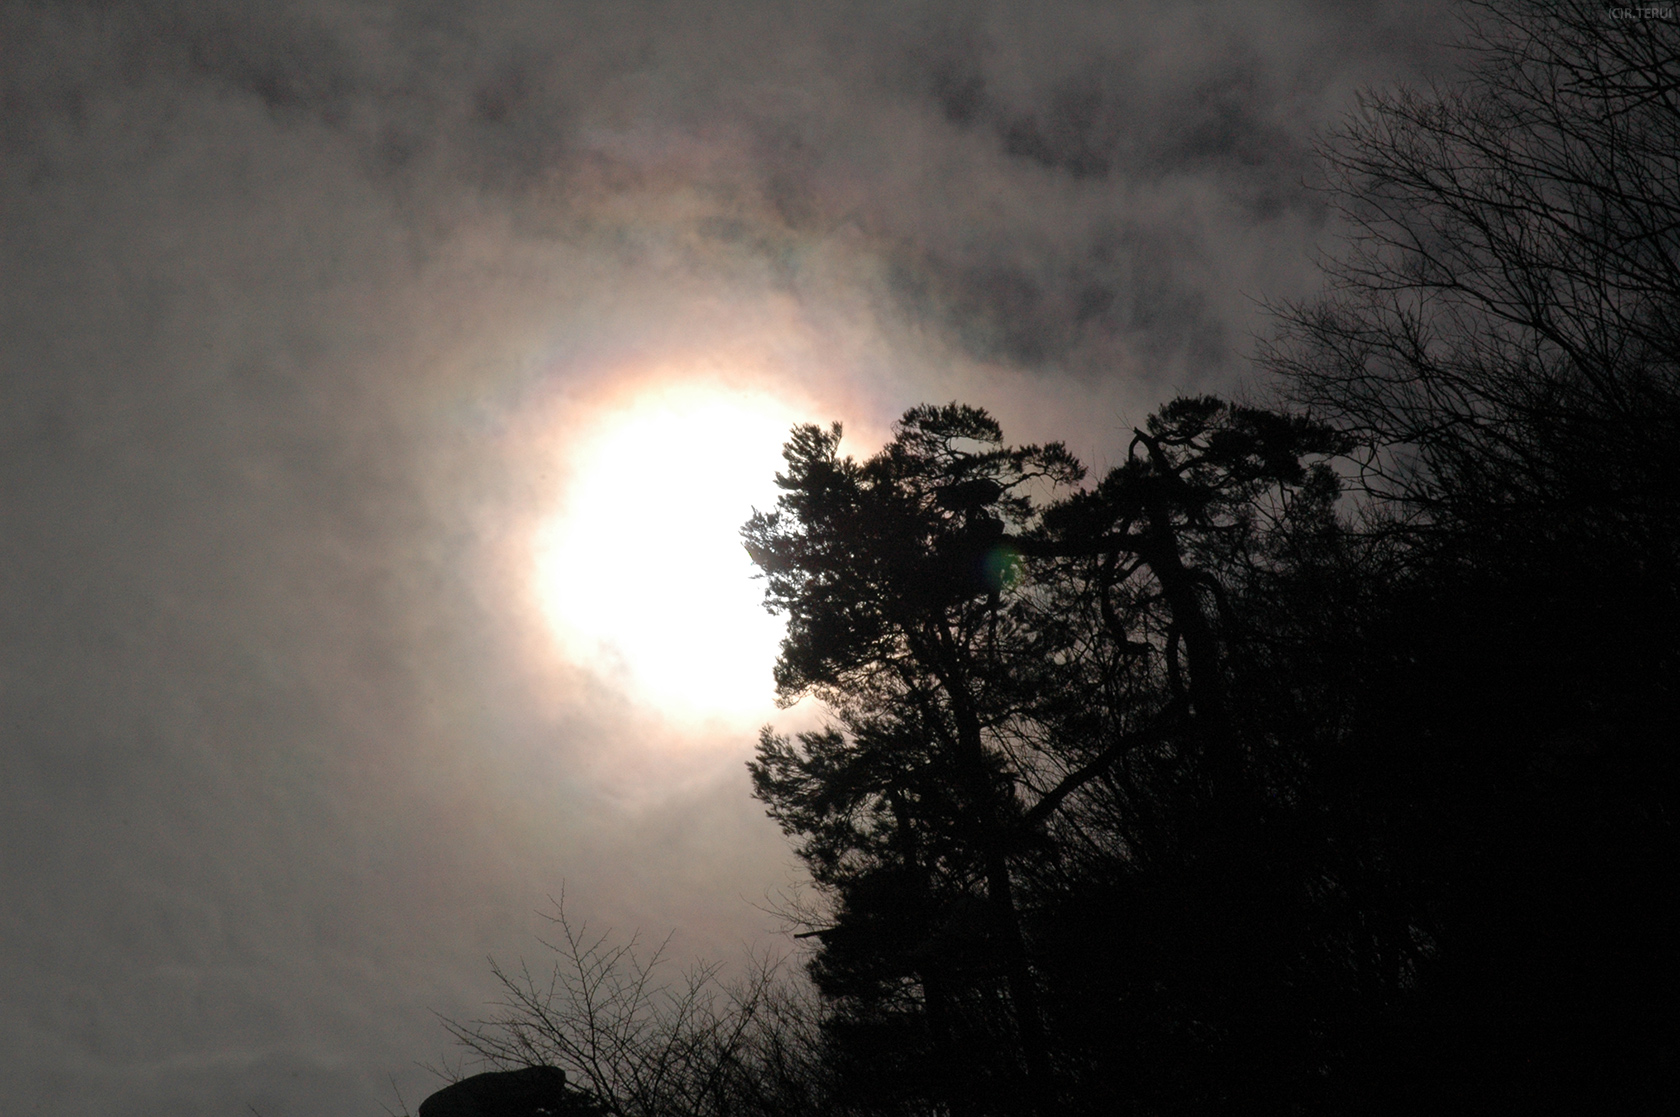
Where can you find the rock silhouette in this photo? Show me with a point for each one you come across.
(527, 1092)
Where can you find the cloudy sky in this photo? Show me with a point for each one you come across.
(382, 385)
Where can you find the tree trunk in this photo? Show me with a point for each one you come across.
(994, 824)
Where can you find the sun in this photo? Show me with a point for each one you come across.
(642, 573)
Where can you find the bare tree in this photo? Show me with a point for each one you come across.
(1503, 322)
(699, 1045)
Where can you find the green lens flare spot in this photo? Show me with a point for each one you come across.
(1001, 567)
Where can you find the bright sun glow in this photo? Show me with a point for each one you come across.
(643, 575)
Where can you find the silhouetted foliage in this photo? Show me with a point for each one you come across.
(1319, 758)
(1182, 792)
(891, 572)
(1502, 338)
(1001, 740)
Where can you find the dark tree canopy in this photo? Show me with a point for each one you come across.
(872, 560)
(1200, 789)
(1321, 757)
(998, 648)
(1501, 339)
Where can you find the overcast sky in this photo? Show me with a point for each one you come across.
(311, 318)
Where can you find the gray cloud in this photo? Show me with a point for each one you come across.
(280, 290)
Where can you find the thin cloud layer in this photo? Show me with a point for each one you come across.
(300, 306)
